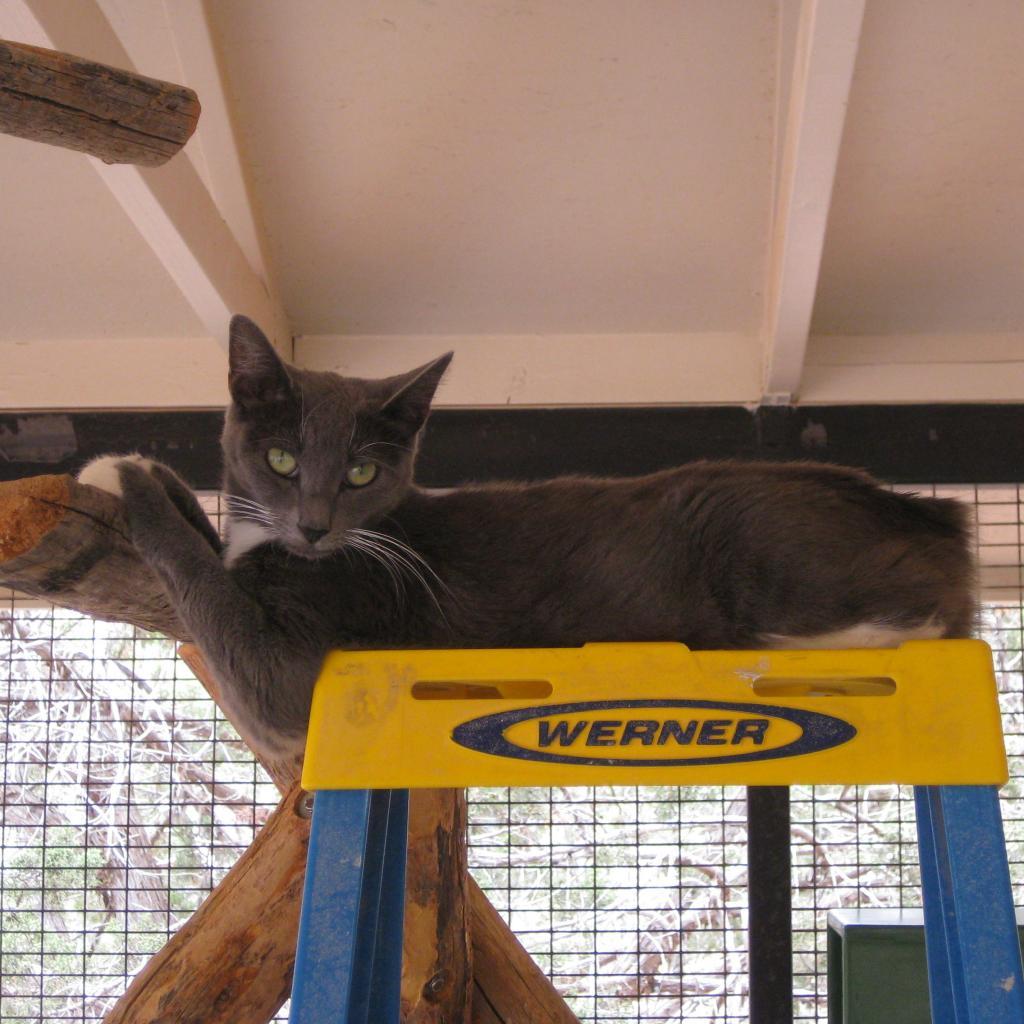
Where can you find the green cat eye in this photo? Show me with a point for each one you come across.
(282, 462)
(361, 473)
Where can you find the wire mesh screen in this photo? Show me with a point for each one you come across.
(126, 798)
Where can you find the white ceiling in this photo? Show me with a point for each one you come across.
(926, 230)
(591, 201)
(500, 166)
(72, 264)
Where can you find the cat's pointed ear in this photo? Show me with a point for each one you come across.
(256, 373)
(408, 397)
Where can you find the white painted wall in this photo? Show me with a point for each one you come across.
(113, 373)
(640, 369)
(528, 370)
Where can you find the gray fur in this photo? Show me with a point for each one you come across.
(717, 555)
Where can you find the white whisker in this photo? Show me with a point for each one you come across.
(379, 555)
(404, 557)
(252, 517)
(377, 444)
(394, 560)
(305, 416)
(231, 499)
(405, 549)
(234, 501)
(248, 513)
(246, 508)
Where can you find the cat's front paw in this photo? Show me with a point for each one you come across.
(104, 472)
(129, 477)
(152, 517)
(108, 474)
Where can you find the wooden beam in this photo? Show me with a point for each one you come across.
(217, 138)
(895, 368)
(436, 953)
(826, 49)
(68, 544)
(64, 100)
(437, 956)
(169, 205)
(846, 384)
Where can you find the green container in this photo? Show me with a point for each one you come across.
(877, 970)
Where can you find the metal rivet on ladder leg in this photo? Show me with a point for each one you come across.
(435, 986)
(304, 805)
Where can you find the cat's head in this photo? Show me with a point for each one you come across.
(310, 455)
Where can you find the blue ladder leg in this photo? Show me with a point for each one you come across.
(941, 956)
(974, 963)
(348, 964)
(377, 972)
(387, 986)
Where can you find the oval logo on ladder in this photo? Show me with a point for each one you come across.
(653, 732)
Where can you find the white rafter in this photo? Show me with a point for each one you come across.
(225, 171)
(826, 50)
(170, 206)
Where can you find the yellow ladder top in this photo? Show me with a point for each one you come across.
(925, 713)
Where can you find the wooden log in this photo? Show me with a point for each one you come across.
(228, 964)
(67, 543)
(119, 116)
(508, 986)
(437, 971)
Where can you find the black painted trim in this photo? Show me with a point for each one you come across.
(932, 443)
(62, 442)
(907, 443)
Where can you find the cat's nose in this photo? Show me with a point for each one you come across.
(312, 533)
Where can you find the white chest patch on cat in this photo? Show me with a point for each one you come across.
(243, 536)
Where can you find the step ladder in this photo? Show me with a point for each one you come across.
(924, 714)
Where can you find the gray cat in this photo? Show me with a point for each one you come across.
(331, 544)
